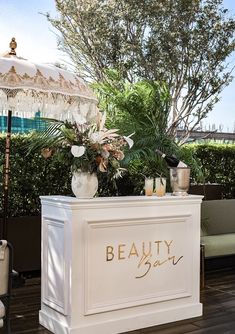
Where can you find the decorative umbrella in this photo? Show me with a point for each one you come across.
(26, 88)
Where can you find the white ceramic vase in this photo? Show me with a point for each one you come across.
(84, 184)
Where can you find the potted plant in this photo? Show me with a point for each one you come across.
(91, 148)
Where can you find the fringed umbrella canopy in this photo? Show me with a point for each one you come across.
(27, 88)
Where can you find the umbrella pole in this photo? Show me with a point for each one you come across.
(17, 280)
(6, 176)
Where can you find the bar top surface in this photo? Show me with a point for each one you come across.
(69, 200)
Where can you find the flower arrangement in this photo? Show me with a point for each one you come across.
(92, 147)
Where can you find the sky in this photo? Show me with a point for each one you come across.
(224, 110)
(37, 42)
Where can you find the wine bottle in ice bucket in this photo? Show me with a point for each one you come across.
(171, 160)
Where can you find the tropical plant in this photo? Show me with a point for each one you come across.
(142, 107)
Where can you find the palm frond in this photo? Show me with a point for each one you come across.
(49, 138)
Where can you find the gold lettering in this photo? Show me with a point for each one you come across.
(159, 263)
(120, 252)
(168, 246)
(144, 257)
(174, 261)
(133, 251)
(109, 253)
(149, 250)
(146, 263)
(158, 245)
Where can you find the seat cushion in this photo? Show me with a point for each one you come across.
(218, 217)
(2, 310)
(4, 269)
(219, 245)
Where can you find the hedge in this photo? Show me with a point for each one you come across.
(32, 176)
(218, 165)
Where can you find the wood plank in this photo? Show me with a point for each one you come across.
(218, 317)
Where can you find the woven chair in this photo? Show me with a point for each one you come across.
(5, 284)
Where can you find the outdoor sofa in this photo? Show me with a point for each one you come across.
(218, 229)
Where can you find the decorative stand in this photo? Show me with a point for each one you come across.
(112, 265)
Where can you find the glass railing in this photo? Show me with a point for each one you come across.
(22, 125)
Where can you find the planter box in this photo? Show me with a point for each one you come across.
(24, 233)
(209, 191)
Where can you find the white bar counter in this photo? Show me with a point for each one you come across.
(112, 265)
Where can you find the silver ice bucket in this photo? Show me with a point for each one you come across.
(180, 180)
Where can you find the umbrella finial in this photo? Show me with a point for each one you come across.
(13, 46)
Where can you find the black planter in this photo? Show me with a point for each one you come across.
(24, 233)
(209, 191)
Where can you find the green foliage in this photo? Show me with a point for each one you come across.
(33, 176)
(185, 43)
(135, 105)
(188, 154)
(218, 165)
(142, 108)
(30, 177)
(209, 163)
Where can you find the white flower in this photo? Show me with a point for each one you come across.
(129, 141)
(77, 151)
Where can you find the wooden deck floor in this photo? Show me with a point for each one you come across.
(218, 317)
